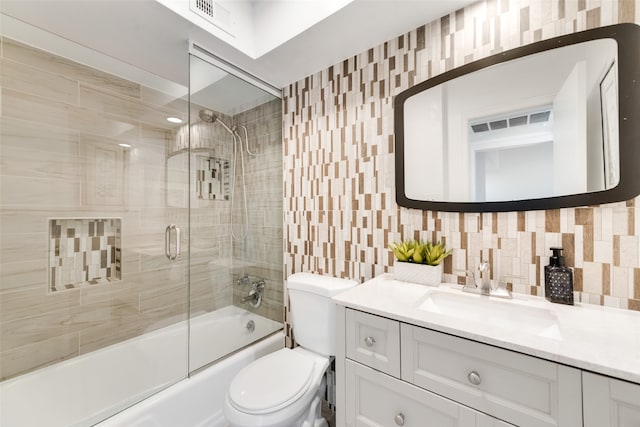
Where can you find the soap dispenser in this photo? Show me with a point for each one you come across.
(558, 279)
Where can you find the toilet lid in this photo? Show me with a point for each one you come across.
(271, 382)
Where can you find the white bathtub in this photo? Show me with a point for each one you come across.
(214, 335)
(84, 390)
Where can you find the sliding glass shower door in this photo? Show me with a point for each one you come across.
(140, 227)
(93, 252)
(236, 278)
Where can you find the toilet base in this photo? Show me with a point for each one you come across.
(314, 417)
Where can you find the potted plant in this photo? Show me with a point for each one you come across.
(419, 262)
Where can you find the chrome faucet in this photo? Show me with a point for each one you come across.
(485, 287)
(485, 281)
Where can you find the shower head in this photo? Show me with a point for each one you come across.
(207, 116)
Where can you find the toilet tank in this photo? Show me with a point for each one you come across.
(312, 311)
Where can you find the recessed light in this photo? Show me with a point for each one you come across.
(174, 119)
(125, 145)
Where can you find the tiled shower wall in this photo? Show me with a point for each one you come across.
(60, 121)
(339, 189)
(210, 241)
(61, 127)
(259, 254)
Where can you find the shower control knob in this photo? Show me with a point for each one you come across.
(474, 378)
(369, 341)
(399, 419)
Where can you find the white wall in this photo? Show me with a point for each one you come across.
(570, 134)
(424, 156)
(517, 173)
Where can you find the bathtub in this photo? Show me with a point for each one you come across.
(238, 328)
(85, 390)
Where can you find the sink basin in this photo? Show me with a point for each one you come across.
(513, 315)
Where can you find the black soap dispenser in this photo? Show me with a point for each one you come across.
(558, 279)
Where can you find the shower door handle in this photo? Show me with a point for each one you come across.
(167, 242)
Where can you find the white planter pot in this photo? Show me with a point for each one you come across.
(421, 274)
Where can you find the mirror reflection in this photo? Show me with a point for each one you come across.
(544, 125)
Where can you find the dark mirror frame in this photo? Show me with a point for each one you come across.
(628, 38)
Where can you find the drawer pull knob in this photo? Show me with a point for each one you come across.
(399, 419)
(474, 378)
(369, 341)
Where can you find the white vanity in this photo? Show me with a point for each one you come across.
(412, 355)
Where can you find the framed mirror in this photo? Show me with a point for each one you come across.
(548, 125)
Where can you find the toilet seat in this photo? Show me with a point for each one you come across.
(285, 376)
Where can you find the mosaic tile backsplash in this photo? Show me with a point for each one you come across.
(340, 209)
(83, 252)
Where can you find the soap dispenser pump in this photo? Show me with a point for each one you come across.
(558, 279)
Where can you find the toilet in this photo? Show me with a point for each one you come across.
(286, 388)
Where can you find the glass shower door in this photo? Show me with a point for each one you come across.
(93, 282)
(236, 277)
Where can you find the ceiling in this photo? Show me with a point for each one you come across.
(149, 35)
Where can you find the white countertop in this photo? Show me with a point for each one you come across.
(599, 339)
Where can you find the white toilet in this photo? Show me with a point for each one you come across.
(285, 388)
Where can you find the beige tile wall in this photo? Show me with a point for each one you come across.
(210, 245)
(339, 190)
(55, 115)
(259, 254)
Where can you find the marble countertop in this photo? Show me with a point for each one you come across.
(595, 338)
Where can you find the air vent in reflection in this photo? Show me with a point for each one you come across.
(518, 121)
(480, 127)
(498, 123)
(540, 117)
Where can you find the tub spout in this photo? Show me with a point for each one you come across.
(252, 297)
(255, 294)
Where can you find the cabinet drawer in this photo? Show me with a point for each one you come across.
(373, 341)
(376, 399)
(522, 390)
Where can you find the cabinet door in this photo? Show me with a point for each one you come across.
(609, 402)
(373, 341)
(374, 399)
(523, 390)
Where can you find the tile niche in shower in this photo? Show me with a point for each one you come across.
(83, 252)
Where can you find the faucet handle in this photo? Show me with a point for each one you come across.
(501, 290)
(258, 284)
(484, 267)
(468, 273)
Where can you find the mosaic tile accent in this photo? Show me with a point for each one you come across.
(212, 178)
(339, 189)
(83, 252)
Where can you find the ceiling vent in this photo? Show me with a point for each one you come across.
(205, 7)
(485, 125)
(212, 12)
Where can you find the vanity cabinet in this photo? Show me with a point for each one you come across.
(375, 399)
(609, 402)
(393, 373)
(520, 389)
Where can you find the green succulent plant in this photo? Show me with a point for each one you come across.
(435, 253)
(420, 252)
(404, 250)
